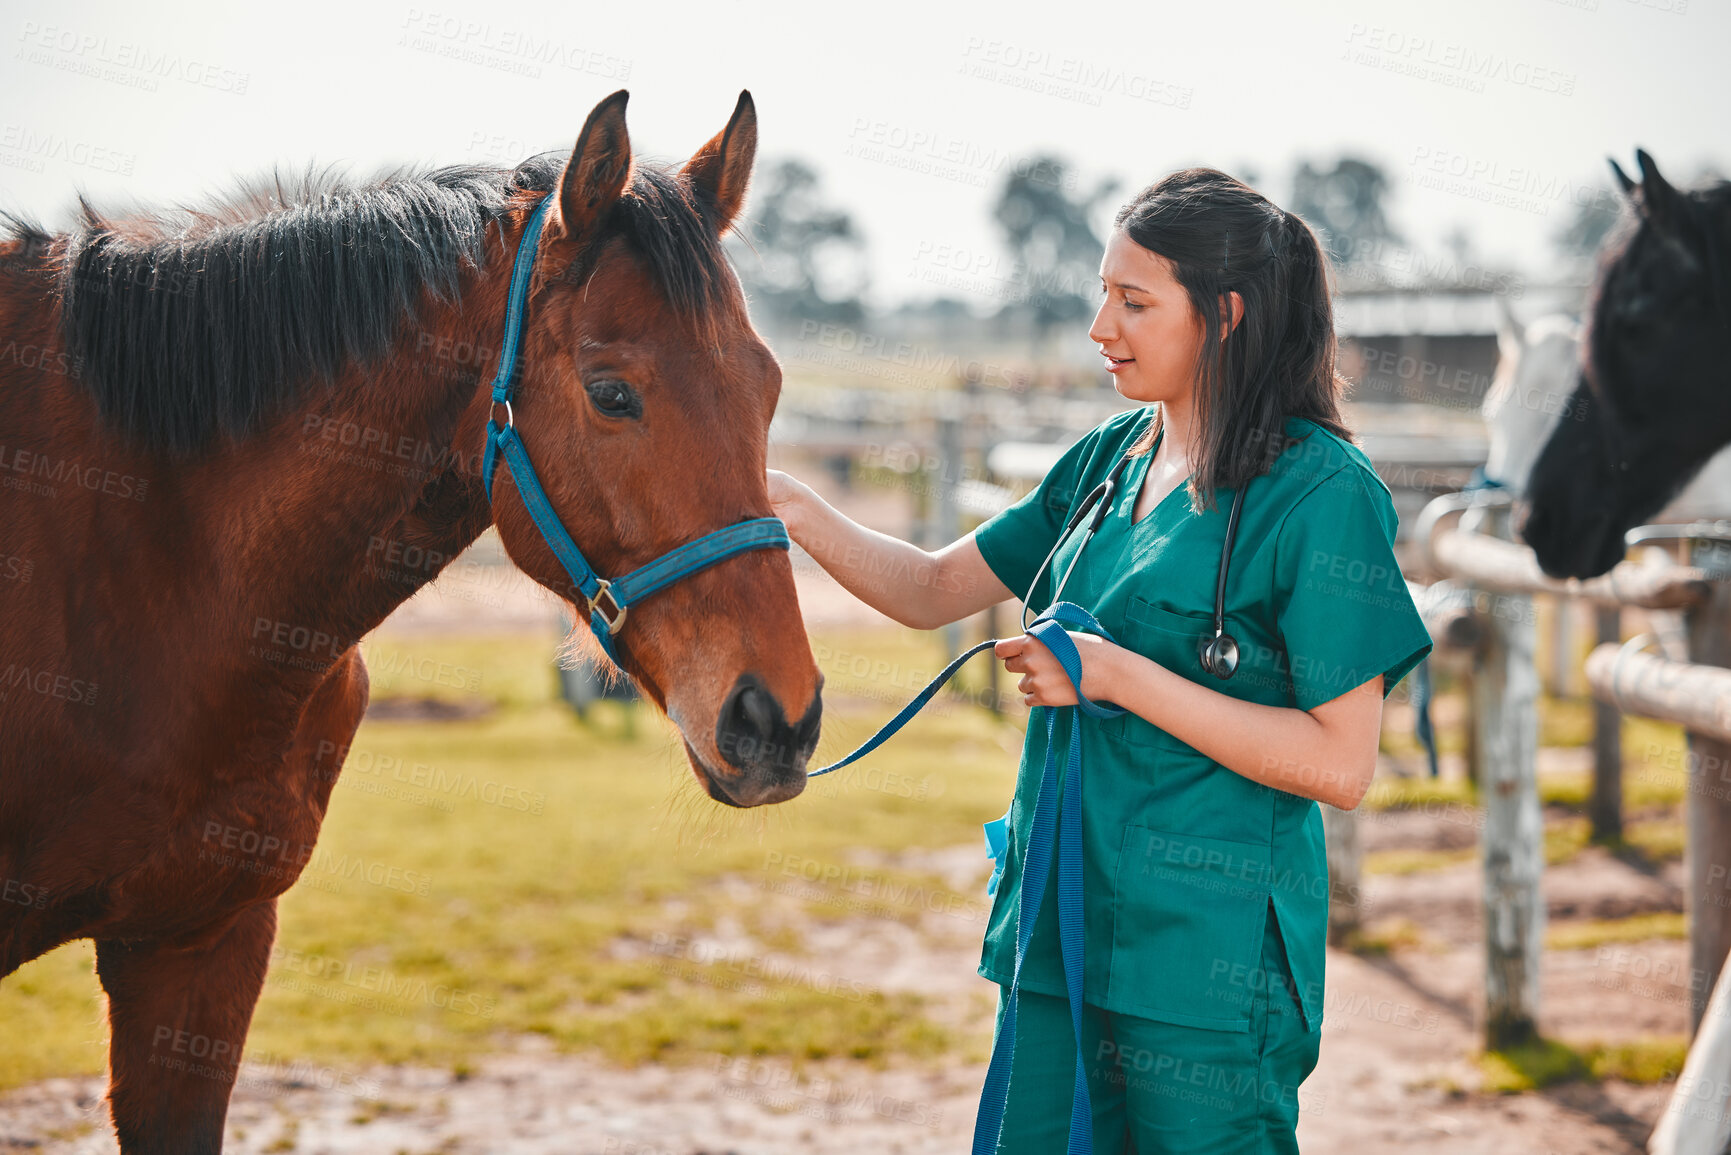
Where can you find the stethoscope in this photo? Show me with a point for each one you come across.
(1219, 654)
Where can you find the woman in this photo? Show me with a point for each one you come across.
(1205, 890)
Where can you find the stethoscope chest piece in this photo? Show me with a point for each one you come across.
(1219, 655)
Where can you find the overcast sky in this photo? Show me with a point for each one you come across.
(1487, 114)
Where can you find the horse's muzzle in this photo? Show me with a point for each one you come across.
(765, 754)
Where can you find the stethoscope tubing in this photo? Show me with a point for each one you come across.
(1099, 502)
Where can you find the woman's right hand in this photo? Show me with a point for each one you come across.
(897, 578)
(786, 493)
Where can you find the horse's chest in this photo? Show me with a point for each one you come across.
(183, 853)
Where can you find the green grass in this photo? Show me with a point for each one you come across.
(54, 1021)
(1532, 1066)
(1383, 936)
(1653, 762)
(1565, 838)
(1416, 793)
(1660, 840)
(1546, 1062)
(1416, 861)
(1584, 934)
(1654, 784)
(1648, 1060)
(1652, 842)
(570, 919)
(539, 876)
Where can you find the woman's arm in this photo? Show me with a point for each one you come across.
(1327, 753)
(918, 589)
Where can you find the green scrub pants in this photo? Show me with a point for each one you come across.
(1158, 1088)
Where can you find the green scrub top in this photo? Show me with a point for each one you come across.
(1181, 856)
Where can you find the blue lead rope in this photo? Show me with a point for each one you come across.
(1051, 628)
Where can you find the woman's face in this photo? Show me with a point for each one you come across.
(1148, 331)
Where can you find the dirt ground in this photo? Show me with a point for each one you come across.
(1396, 1069)
(1396, 1066)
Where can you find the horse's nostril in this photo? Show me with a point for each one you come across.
(757, 709)
(754, 733)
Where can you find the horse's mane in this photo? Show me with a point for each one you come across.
(188, 323)
(1706, 210)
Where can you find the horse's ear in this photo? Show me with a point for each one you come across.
(1660, 202)
(597, 172)
(1623, 182)
(722, 168)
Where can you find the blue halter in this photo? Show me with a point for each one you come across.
(1065, 828)
(608, 600)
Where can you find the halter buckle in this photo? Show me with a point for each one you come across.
(617, 618)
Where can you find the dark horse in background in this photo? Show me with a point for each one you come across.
(1653, 404)
(205, 421)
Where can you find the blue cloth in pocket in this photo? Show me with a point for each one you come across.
(997, 842)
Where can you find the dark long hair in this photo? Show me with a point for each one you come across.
(1223, 236)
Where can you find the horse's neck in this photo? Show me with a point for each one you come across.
(386, 468)
(240, 575)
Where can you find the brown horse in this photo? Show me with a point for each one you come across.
(208, 423)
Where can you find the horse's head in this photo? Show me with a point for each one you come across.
(644, 401)
(1651, 405)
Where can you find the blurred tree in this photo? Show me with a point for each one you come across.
(1345, 205)
(1592, 212)
(798, 257)
(1052, 242)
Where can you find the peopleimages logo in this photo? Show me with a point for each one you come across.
(47, 683)
(42, 146)
(22, 893)
(135, 65)
(1453, 65)
(503, 48)
(346, 982)
(40, 473)
(1036, 69)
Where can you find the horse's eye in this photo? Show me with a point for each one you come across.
(615, 398)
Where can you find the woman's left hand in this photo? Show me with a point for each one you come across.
(1044, 682)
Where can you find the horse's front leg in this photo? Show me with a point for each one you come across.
(178, 1013)
(179, 1007)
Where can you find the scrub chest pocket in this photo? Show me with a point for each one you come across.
(1171, 639)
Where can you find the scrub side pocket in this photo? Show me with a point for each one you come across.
(1187, 939)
